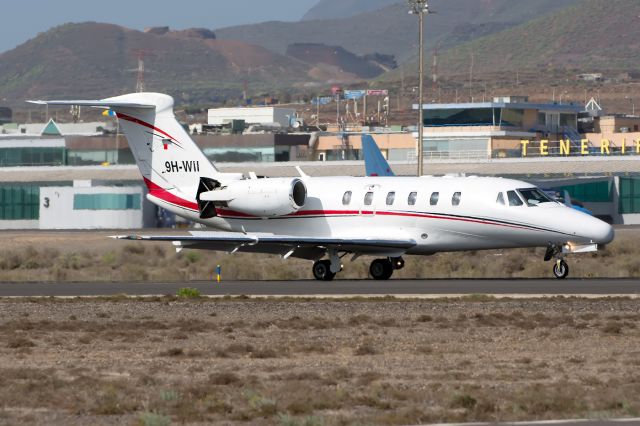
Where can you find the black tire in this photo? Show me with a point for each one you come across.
(561, 270)
(381, 269)
(322, 270)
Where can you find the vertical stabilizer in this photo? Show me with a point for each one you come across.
(169, 160)
(374, 162)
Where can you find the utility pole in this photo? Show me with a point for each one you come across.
(420, 8)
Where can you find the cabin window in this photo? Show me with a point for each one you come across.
(434, 198)
(412, 198)
(513, 198)
(368, 198)
(455, 199)
(500, 199)
(533, 196)
(390, 198)
(346, 198)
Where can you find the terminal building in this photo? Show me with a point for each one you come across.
(82, 175)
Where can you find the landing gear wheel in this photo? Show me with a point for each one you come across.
(561, 269)
(322, 270)
(381, 269)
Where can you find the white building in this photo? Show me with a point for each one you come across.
(252, 115)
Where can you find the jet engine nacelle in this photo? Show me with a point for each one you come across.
(260, 197)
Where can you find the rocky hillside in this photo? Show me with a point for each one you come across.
(391, 30)
(97, 60)
(593, 35)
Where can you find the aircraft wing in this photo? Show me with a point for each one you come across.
(311, 248)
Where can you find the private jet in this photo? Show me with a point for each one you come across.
(324, 219)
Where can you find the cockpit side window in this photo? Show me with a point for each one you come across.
(500, 199)
(534, 197)
(368, 198)
(346, 198)
(513, 198)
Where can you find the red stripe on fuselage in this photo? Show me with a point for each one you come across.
(147, 125)
(230, 214)
(165, 195)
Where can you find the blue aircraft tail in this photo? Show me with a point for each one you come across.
(374, 163)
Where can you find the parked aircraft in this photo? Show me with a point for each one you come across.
(374, 162)
(325, 219)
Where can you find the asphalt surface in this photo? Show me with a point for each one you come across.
(335, 288)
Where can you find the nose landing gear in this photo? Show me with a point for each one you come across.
(560, 267)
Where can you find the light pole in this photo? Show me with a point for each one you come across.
(633, 105)
(420, 8)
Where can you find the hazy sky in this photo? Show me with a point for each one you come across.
(23, 19)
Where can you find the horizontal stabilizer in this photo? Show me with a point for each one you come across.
(106, 103)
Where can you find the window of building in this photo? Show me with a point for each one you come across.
(513, 198)
(629, 195)
(455, 199)
(368, 198)
(433, 200)
(500, 199)
(19, 202)
(107, 202)
(346, 198)
(411, 200)
(390, 198)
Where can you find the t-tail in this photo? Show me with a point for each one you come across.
(374, 163)
(172, 165)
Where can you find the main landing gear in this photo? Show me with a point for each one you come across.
(382, 269)
(560, 267)
(322, 270)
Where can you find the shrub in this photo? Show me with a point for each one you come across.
(153, 419)
(463, 401)
(188, 293)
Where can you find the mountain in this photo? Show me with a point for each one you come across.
(99, 60)
(593, 35)
(332, 9)
(364, 67)
(391, 30)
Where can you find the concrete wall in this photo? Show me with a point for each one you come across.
(61, 215)
(19, 224)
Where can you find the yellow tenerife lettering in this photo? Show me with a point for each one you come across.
(565, 147)
(623, 148)
(524, 147)
(638, 146)
(544, 147)
(584, 147)
(604, 146)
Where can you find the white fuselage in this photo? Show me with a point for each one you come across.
(478, 221)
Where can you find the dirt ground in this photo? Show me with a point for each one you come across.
(93, 256)
(316, 362)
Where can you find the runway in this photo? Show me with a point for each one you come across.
(507, 287)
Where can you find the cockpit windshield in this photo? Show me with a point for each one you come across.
(534, 196)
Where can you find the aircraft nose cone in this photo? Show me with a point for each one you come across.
(600, 232)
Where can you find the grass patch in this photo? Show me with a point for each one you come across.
(189, 293)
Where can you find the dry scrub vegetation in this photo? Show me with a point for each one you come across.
(92, 256)
(237, 361)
